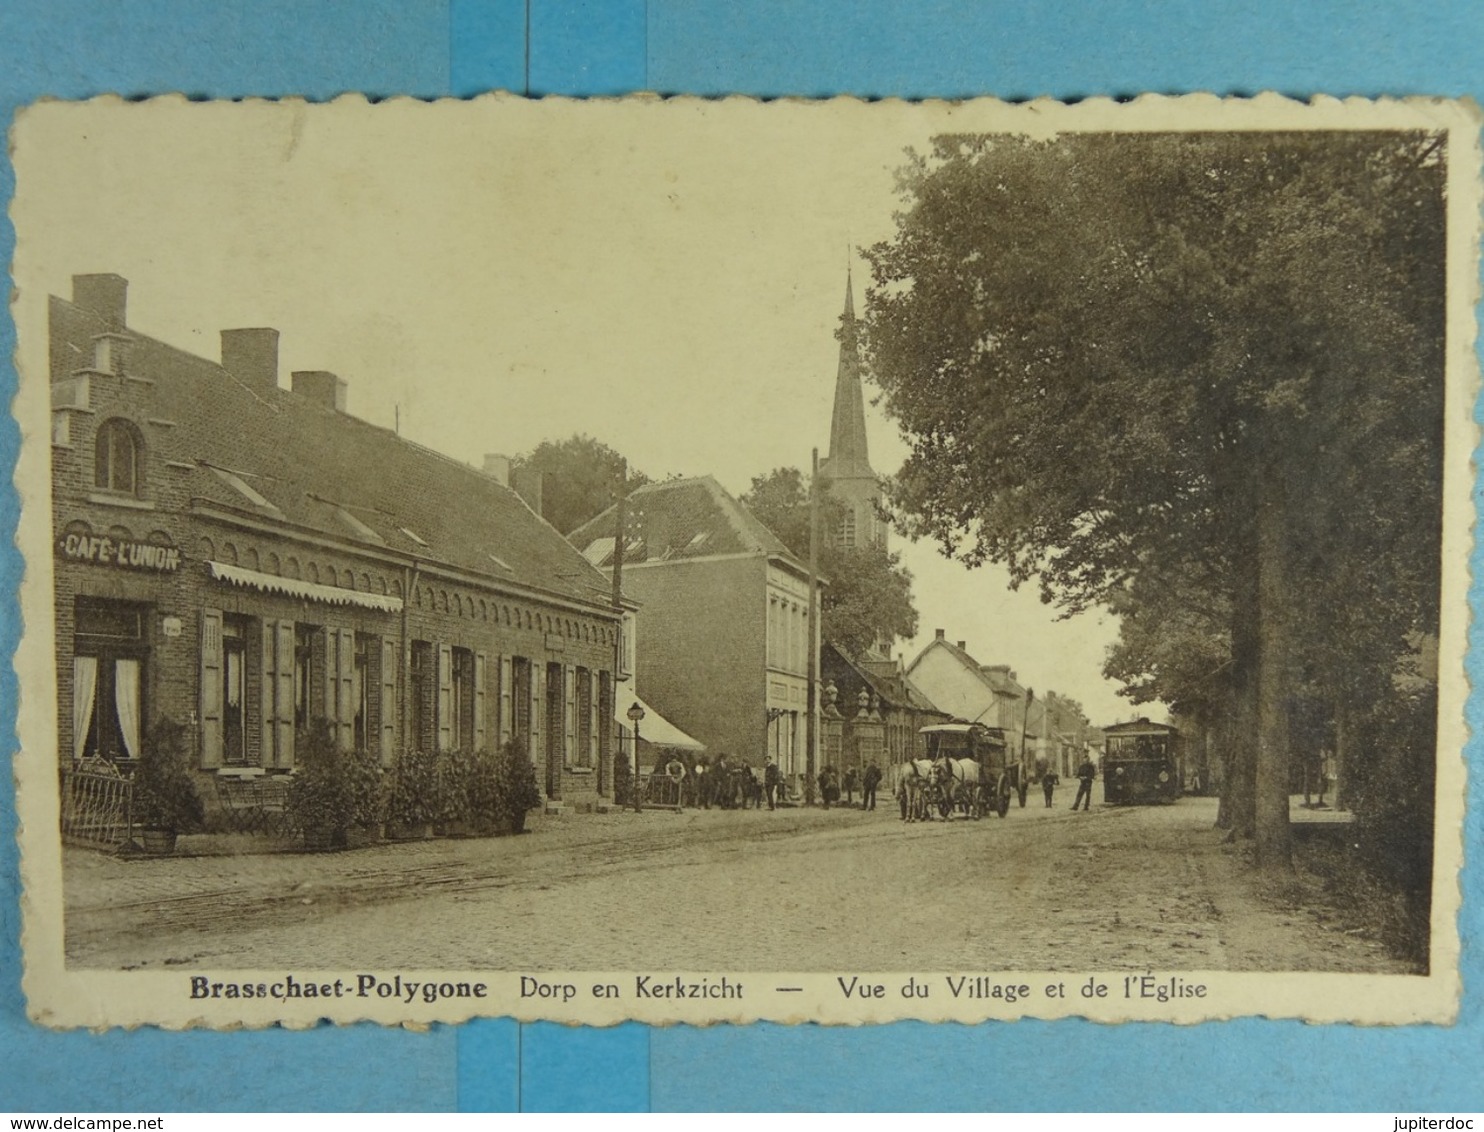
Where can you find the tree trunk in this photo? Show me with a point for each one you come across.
(1274, 679)
(1242, 719)
(1342, 754)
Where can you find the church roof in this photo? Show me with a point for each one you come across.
(848, 455)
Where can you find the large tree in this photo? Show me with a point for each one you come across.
(1213, 357)
(869, 597)
(580, 478)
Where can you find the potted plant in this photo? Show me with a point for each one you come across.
(364, 776)
(166, 802)
(482, 793)
(320, 803)
(412, 802)
(456, 773)
(515, 791)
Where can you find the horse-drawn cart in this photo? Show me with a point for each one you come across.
(972, 769)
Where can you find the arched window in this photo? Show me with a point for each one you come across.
(120, 458)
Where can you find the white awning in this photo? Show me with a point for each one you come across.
(308, 591)
(654, 729)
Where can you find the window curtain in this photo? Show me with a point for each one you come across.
(126, 699)
(84, 690)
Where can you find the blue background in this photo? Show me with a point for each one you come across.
(432, 48)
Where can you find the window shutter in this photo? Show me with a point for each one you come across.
(326, 662)
(569, 714)
(269, 751)
(345, 681)
(537, 750)
(211, 688)
(592, 720)
(389, 666)
(445, 697)
(283, 683)
(481, 670)
(506, 717)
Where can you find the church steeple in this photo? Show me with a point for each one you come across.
(848, 455)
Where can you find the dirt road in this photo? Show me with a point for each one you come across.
(724, 890)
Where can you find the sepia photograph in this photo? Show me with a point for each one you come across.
(690, 560)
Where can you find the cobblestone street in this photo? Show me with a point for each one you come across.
(724, 890)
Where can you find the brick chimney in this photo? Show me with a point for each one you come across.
(527, 484)
(963, 646)
(251, 356)
(940, 634)
(105, 295)
(497, 467)
(320, 386)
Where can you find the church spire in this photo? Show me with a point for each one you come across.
(848, 424)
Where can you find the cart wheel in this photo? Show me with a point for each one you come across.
(1024, 789)
(1003, 806)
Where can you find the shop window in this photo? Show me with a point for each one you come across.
(108, 679)
(119, 458)
(520, 708)
(423, 700)
(235, 633)
(363, 688)
(304, 672)
(584, 717)
(461, 704)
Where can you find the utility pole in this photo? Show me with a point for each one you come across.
(619, 645)
(811, 727)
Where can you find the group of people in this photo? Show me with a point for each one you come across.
(866, 781)
(730, 783)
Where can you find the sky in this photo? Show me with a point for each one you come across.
(664, 276)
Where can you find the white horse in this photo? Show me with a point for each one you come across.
(911, 784)
(959, 781)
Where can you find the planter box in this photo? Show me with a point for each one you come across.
(158, 842)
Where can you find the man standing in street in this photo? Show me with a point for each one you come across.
(869, 784)
(771, 779)
(1085, 774)
(1048, 786)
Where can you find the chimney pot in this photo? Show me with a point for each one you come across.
(105, 295)
(963, 646)
(941, 634)
(498, 467)
(251, 356)
(319, 385)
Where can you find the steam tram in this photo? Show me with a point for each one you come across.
(1142, 763)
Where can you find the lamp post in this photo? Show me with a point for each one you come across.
(635, 714)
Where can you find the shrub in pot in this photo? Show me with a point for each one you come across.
(166, 802)
(321, 804)
(515, 790)
(412, 802)
(456, 773)
(364, 775)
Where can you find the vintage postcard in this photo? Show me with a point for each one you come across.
(697, 561)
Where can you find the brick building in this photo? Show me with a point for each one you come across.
(724, 613)
(244, 558)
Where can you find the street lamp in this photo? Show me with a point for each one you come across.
(636, 714)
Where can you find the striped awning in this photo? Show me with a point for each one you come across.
(308, 591)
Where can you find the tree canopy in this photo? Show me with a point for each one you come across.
(1192, 377)
(580, 478)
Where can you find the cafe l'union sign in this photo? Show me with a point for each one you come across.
(147, 555)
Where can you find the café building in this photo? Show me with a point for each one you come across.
(243, 558)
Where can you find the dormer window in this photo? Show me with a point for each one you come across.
(119, 464)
